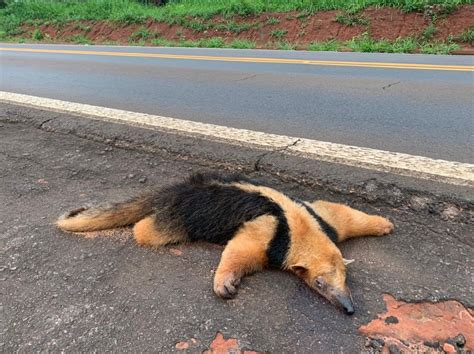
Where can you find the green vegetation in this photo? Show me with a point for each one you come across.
(159, 42)
(79, 39)
(215, 42)
(328, 46)
(83, 27)
(366, 44)
(429, 32)
(141, 34)
(197, 15)
(37, 35)
(438, 48)
(349, 19)
(279, 33)
(177, 11)
(400, 45)
(273, 21)
(466, 37)
(242, 44)
(286, 46)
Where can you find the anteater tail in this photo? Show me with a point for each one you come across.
(106, 216)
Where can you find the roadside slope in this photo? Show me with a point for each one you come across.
(438, 28)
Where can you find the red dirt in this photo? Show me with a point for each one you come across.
(411, 326)
(381, 23)
(220, 345)
(389, 23)
(456, 23)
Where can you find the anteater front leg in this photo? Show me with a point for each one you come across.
(350, 222)
(244, 254)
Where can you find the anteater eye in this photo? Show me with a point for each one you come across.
(319, 283)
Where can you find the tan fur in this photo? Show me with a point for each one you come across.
(310, 248)
(146, 233)
(97, 219)
(244, 254)
(350, 222)
(311, 254)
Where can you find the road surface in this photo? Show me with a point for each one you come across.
(366, 100)
(64, 292)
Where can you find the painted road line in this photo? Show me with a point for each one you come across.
(361, 64)
(408, 165)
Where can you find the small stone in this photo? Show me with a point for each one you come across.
(376, 343)
(393, 349)
(459, 340)
(142, 180)
(131, 175)
(391, 320)
(431, 344)
(182, 345)
(176, 251)
(449, 348)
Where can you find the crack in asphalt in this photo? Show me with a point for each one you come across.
(246, 78)
(390, 85)
(256, 165)
(443, 233)
(41, 125)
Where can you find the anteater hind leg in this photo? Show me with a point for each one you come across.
(244, 254)
(147, 233)
(350, 222)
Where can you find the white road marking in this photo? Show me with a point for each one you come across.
(386, 161)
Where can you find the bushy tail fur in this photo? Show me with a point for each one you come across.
(106, 216)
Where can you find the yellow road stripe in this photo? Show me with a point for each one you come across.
(382, 65)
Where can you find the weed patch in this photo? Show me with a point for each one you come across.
(242, 44)
(37, 35)
(349, 19)
(331, 46)
(279, 33)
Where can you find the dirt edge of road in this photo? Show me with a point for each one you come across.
(449, 202)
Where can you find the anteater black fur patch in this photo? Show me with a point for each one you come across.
(207, 209)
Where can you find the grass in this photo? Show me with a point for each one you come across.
(366, 44)
(400, 45)
(197, 15)
(83, 27)
(328, 46)
(438, 48)
(177, 11)
(429, 32)
(272, 21)
(79, 39)
(466, 37)
(349, 19)
(242, 44)
(37, 35)
(141, 34)
(286, 46)
(279, 33)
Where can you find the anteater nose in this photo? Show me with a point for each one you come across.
(349, 310)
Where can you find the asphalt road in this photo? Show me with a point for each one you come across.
(419, 112)
(63, 292)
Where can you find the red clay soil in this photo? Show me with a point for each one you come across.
(423, 327)
(379, 23)
(219, 345)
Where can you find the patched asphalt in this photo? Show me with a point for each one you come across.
(65, 292)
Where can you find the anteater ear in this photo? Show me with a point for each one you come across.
(347, 261)
(299, 269)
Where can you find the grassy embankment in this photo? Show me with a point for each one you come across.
(199, 15)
